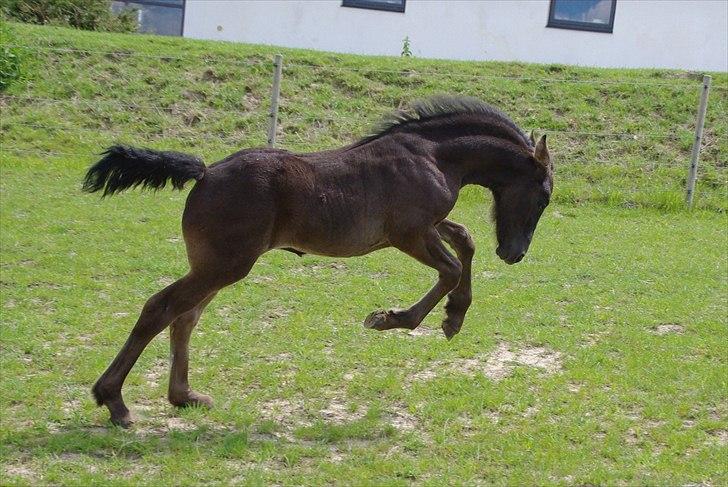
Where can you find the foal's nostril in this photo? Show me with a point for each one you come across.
(520, 257)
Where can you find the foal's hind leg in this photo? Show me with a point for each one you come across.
(428, 249)
(179, 392)
(459, 298)
(159, 311)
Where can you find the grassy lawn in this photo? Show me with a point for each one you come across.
(600, 359)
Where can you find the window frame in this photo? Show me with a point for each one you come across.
(155, 3)
(576, 25)
(372, 5)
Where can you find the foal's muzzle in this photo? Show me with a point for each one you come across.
(510, 256)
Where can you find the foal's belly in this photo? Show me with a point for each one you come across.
(336, 250)
(335, 231)
(333, 238)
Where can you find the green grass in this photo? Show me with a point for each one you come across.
(304, 394)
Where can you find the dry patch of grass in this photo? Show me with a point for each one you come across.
(721, 436)
(497, 365)
(668, 328)
(339, 412)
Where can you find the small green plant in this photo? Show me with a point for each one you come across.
(406, 51)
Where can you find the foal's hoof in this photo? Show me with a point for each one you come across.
(377, 320)
(451, 328)
(124, 421)
(191, 398)
(387, 320)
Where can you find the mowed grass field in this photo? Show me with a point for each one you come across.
(601, 359)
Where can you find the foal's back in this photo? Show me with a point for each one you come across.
(339, 203)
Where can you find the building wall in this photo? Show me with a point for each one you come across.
(684, 34)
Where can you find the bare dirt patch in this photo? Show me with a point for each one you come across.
(503, 360)
(165, 281)
(530, 412)
(71, 407)
(351, 375)
(499, 364)
(467, 426)
(573, 387)
(19, 470)
(261, 279)
(591, 339)
(631, 437)
(288, 414)
(338, 412)
(309, 269)
(250, 101)
(156, 372)
(401, 420)
(426, 374)
(493, 416)
(721, 436)
(179, 424)
(284, 358)
(422, 331)
(667, 328)
(274, 315)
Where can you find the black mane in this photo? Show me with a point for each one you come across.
(443, 106)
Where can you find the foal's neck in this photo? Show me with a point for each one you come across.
(483, 160)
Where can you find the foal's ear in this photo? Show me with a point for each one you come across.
(533, 140)
(541, 152)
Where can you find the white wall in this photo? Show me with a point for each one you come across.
(685, 34)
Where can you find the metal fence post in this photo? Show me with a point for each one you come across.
(273, 114)
(693, 172)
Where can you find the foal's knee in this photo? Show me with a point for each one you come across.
(162, 308)
(450, 275)
(464, 241)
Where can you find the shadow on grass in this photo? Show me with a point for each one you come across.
(219, 441)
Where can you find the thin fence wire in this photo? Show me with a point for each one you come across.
(187, 135)
(405, 71)
(203, 136)
(196, 135)
(93, 102)
(410, 72)
(617, 135)
(38, 152)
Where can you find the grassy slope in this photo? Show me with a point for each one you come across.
(214, 101)
(628, 406)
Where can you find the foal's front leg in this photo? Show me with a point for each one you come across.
(428, 249)
(459, 298)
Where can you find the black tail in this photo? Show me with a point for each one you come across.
(125, 167)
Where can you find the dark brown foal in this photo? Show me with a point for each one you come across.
(391, 189)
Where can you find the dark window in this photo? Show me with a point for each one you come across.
(594, 15)
(390, 5)
(164, 17)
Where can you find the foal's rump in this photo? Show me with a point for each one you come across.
(230, 214)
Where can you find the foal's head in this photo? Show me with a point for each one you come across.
(520, 202)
